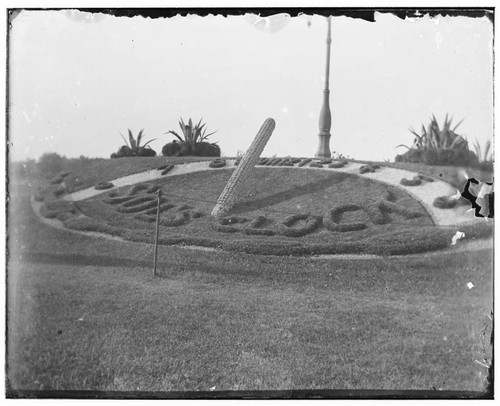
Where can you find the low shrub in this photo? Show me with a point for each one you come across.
(138, 200)
(179, 219)
(336, 165)
(258, 222)
(455, 157)
(259, 231)
(315, 165)
(163, 208)
(138, 188)
(253, 227)
(57, 180)
(151, 204)
(368, 168)
(167, 169)
(217, 163)
(171, 149)
(445, 202)
(59, 191)
(304, 162)
(416, 181)
(118, 199)
(262, 161)
(226, 224)
(325, 161)
(103, 185)
(312, 223)
(273, 162)
(232, 220)
(425, 178)
(332, 222)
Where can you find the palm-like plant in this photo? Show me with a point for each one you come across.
(192, 134)
(133, 146)
(193, 141)
(438, 146)
(485, 156)
(434, 137)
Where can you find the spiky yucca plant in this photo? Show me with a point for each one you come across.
(133, 146)
(434, 137)
(485, 156)
(438, 146)
(192, 142)
(191, 134)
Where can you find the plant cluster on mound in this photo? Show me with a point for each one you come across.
(135, 148)
(439, 146)
(193, 141)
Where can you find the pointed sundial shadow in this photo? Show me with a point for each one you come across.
(279, 197)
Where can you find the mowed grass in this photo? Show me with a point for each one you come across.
(238, 322)
(85, 313)
(87, 174)
(275, 194)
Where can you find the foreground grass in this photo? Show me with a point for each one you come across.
(233, 322)
(84, 313)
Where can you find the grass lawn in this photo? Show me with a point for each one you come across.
(84, 313)
(87, 174)
(238, 322)
(273, 195)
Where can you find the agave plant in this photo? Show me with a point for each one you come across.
(438, 146)
(192, 134)
(192, 142)
(136, 143)
(434, 137)
(133, 146)
(485, 156)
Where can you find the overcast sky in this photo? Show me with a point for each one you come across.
(77, 81)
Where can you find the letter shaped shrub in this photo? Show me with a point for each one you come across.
(312, 224)
(332, 222)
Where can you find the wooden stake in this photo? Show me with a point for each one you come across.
(157, 231)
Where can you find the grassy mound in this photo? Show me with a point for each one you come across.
(279, 213)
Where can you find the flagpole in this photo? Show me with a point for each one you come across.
(325, 117)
